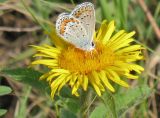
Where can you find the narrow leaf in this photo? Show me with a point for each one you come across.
(109, 103)
(5, 90)
(99, 112)
(27, 76)
(106, 12)
(23, 103)
(2, 1)
(131, 98)
(64, 113)
(72, 105)
(2, 112)
(123, 102)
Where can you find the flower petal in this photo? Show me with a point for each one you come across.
(102, 30)
(114, 77)
(75, 87)
(109, 32)
(105, 81)
(85, 82)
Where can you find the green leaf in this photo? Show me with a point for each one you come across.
(107, 9)
(66, 92)
(23, 103)
(64, 113)
(72, 105)
(27, 76)
(1, 1)
(122, 12)
(99, 112)
(35, 16)
(2, 112)
(55, 5)
(131, 98)
(5, 90)
(109, 103)
(98, 15)
(117, 104)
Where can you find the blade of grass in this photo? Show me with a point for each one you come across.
(27, 53)
(5, 90)
(72, 1)
(19, 7)
(2, 112)
(55, 5)
(34, 16)
(122, 12)
(105, 9)
(23, 103)
(156, 14)
(148, 48)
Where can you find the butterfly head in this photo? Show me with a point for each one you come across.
(87, 46)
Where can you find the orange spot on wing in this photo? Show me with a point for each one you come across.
(64, 23)
(77, 14)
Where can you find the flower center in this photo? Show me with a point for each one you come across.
(76, 60)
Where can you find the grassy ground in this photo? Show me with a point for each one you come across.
(19, 29)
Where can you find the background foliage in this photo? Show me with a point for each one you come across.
(22, 95)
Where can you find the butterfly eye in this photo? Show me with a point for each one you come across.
(93, 44)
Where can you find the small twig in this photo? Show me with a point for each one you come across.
(150, 18)
(87, 109)
(15, 29)
(151, 114)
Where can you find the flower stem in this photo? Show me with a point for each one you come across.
(85, 101)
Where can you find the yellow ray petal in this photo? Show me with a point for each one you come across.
(122, 40)
(136, 68)
(130, 76)
(76, 94)
(44, 76)
(117, 35)
(53, 90)
(114, 77)
(102, 30)
(47, 62)
(52, 76)
(55, 84)
(58, 80)
(96, 88)
(94, 79)
(52, 49)
(105, 81)
(109, 32)
(97, 80)
(73, 80)
(85, 82)
(75, 87)
(122, 44)
(64, 82)
(60, 71)
(43, 55)
(129, 49)
(51, 54)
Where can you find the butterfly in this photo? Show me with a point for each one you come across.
(78, 27)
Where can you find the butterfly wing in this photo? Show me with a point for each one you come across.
(86, 15)
(71, 30)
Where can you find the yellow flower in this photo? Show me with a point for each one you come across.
(111, 59)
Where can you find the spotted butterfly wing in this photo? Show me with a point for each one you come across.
(71, 30)
(74, 30)
(85, 13)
